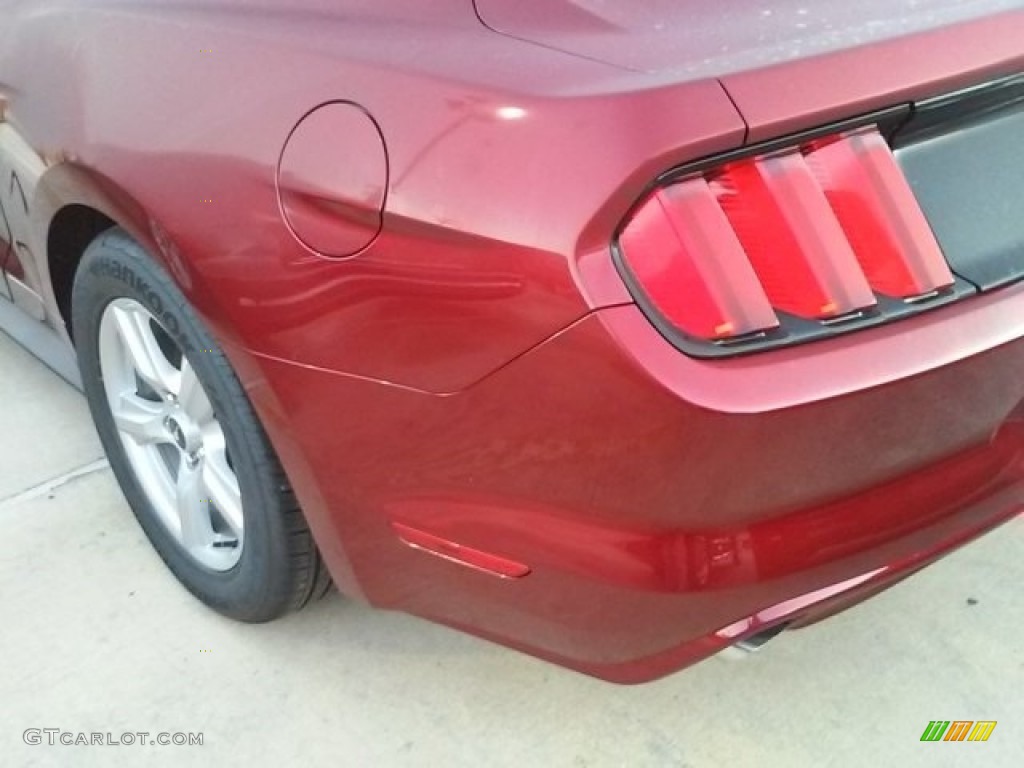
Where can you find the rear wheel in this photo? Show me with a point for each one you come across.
(184, 442)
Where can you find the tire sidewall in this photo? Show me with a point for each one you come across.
(113, 267)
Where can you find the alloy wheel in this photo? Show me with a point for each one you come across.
(171, 435)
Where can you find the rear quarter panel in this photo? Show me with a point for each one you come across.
(184, 110)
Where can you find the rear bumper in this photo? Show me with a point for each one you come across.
(665, 507)
(630, 607)
(889, 563)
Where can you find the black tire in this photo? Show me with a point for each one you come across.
(279, 568)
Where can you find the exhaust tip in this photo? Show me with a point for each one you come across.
(753, 643)
(758, 640)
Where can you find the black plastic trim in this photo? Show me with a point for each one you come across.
(943, 114)
(963, 155)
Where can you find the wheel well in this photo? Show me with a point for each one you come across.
(71, 231)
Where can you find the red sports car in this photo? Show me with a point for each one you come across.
(617, 332)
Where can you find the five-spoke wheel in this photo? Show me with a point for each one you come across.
(184, 440)
(171, 435)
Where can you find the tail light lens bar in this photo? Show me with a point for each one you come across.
(879, 215)
(675, 231)
(769, 249)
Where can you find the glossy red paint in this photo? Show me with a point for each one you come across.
(332, 180)
(478, 373)
(652, 529)
(802, 93)
(695, 40)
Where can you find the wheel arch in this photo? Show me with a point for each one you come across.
(70, 232)
(74, 202)
(73, 206)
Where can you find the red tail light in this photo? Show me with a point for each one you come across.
(877, 210)
(791, 236)
(668, 243)
(816, 233)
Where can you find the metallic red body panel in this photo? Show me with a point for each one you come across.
(655, 530)
(332, 180)
(807, 92)
(690, 40)
(459, 282)
(477, 373)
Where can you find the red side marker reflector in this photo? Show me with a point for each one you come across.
(792, 237)
(457, 553)
(683, 251)
(879, 214)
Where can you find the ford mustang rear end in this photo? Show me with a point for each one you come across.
(619, 335)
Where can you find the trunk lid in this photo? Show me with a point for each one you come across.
(794, 65)
(695, 39)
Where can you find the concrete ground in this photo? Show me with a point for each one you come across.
(98, 637)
